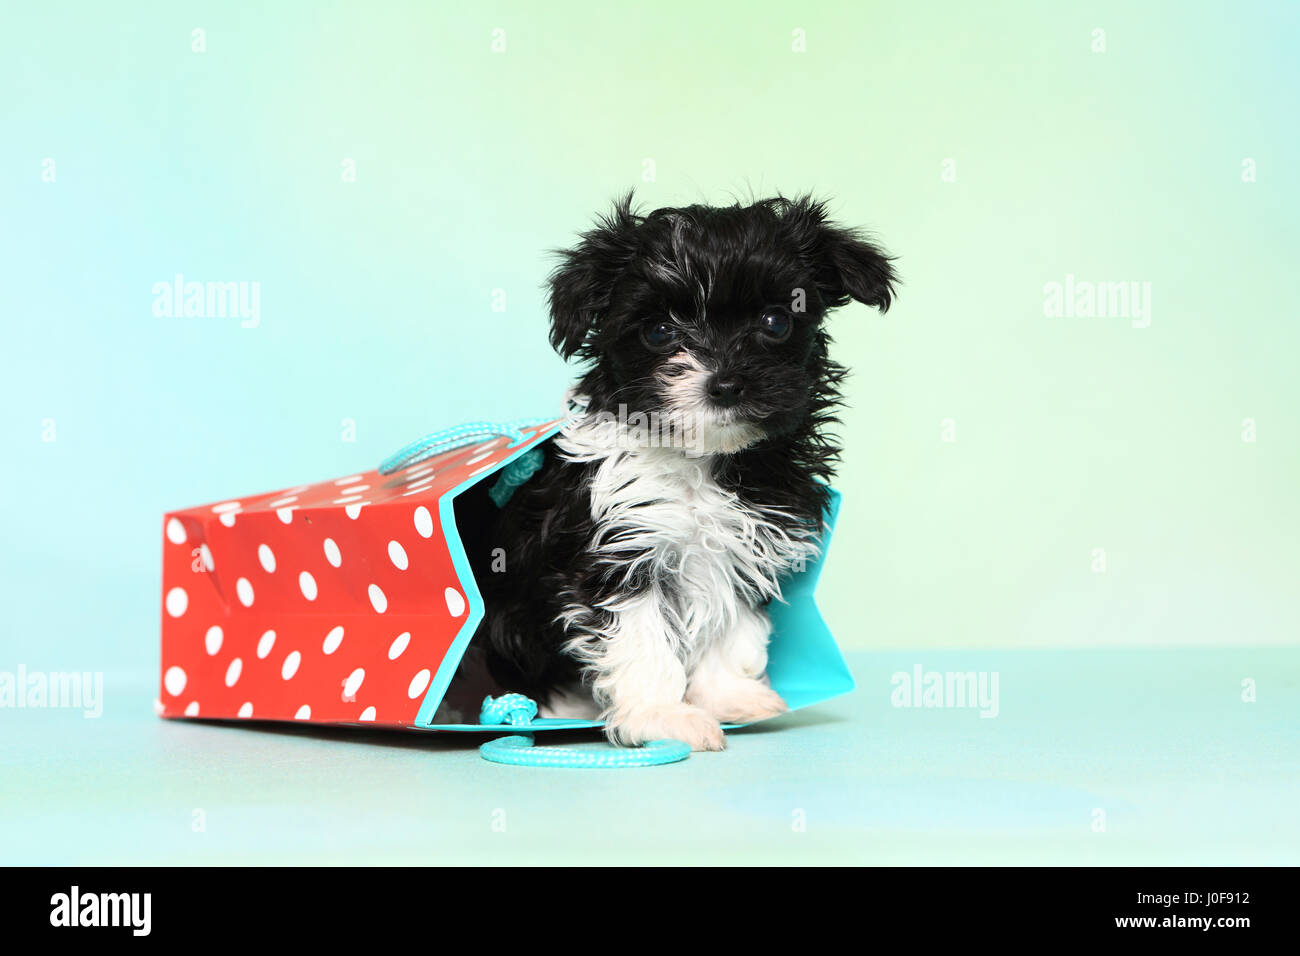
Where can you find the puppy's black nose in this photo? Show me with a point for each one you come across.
(726, 390)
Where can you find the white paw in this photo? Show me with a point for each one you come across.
(738, 701)
(691, 725)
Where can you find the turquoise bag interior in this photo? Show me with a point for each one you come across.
(805, 665)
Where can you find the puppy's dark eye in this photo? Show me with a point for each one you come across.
(660, 335)
(776, 325)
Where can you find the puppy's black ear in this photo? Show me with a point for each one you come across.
(847, 264)
(581, 286)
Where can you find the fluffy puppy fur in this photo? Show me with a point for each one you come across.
(639, 560)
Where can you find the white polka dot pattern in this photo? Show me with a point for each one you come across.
(418, 684)
(177, 601)
(397, 554)
(333, 602)
(174, 681)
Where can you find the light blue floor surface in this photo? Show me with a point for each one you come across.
(1094, 757)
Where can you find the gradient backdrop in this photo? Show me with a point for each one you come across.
(392, 175)
(994, 150)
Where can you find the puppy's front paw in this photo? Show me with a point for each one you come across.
(740, 701)
(691, 725)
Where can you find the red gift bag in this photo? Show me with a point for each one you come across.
(349, 601)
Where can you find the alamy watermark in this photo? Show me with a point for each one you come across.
(946, 689)
(1084, 299)
(75, 690)
(674, 429)
(77, 908)
(179, 299)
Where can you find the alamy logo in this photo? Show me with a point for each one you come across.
(75, 908)
(630, 429)
(37, 689)
(1076, 298)
(922, 688)
(179, 299)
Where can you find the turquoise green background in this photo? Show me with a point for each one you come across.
(1072, 434)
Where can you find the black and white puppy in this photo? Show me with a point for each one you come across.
(691, 480)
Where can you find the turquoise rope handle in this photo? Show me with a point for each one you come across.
(449, 439)
(515, 474)
(518, 750)
(513, 709)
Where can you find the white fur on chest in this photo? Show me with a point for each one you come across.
(661, 516)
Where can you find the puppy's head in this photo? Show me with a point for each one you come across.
(712, 316)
